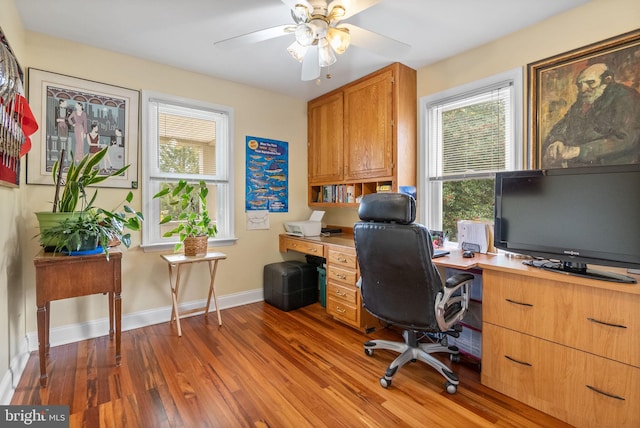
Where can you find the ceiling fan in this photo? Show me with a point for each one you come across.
(320, 34)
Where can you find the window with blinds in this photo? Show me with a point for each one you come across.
(471, 133)
(189, 140)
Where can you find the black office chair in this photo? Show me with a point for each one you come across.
(401, 286)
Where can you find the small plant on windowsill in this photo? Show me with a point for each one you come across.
(195, 226)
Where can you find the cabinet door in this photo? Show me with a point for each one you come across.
(325, 135)
(368, 128)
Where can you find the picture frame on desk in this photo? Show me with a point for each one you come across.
(585, 104)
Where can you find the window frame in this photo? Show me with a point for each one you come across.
(430, 202)
(151, 238)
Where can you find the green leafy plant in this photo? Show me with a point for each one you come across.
(87, 223)
(89, 228)
(193, 218)
(76, 180)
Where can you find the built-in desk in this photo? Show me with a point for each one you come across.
(566, 345)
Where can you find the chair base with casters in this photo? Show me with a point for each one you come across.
(411, 350)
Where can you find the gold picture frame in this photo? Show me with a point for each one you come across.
(113, 109)
(561, 106)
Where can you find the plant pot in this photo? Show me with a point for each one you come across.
(48, 219)
(195, 245)
(87, 243)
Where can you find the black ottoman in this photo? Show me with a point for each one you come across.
(290, 285)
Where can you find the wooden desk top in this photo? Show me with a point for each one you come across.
(498, 262)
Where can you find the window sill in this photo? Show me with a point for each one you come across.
(168, 246)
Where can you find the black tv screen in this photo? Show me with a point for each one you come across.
(571, 216)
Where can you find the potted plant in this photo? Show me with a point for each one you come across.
(74, 220)
(92, 231)
(195, 226)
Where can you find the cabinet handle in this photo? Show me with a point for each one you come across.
(519, 303)
(313, 250)
(340, 310)
(339, 293)
(341, 276)
(617, 397)
(293, 245)
(524, 363)
(606, 323)
(342, 259)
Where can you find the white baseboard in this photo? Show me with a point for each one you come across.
(9, 381)
(88, 330)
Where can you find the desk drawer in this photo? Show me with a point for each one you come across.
(343, 311)
(342, 257)
(346, 294)
(577, 387)
(302, 246)
(341, 275)
(601, 321)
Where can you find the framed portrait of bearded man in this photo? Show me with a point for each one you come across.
(584, 105)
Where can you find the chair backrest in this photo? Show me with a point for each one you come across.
(399, 283)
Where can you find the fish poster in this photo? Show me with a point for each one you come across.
(267, 175)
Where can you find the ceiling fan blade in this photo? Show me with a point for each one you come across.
(311, 64)
(352, 7)
(375, 42)
(255, 37)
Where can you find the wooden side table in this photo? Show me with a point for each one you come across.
(60, 277)
(176, 262)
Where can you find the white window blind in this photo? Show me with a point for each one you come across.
(472, 134)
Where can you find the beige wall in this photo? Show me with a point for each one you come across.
(590, 23)
(144, 276)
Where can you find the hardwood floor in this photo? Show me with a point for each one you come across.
(262, 368)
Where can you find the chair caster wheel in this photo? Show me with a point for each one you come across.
(455, 358)
(368, 351)
(386, 383)
(451, 388)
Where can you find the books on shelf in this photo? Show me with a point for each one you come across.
(337, 193)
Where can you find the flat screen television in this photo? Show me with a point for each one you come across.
(571, 217)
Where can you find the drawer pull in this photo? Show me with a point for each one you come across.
(339, 276)
(519, 303)
(341, 294)
(617, 397)
(606, 323)
(313, 250)
(342, 259)
(517, 361)
(340, 310)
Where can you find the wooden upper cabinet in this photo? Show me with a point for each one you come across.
(325, 139)
(364, 133)
(368, 128)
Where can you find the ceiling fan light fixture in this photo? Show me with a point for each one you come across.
(339, 39)
(297, 51)
(305, 34)
(337, 12)
(300, 13)
(325, 53)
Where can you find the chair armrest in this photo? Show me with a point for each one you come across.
(446, 299)
(457, 279)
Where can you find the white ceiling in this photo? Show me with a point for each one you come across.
(182, 33)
